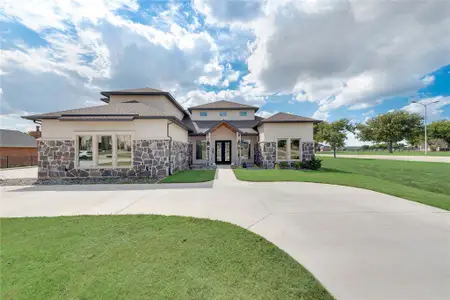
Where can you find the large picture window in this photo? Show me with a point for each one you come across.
(105, 151)
(295, 149)
(200, 150)
(245, 149)
(288, 149)
(123, 151)
(282, 149)
(85, 151)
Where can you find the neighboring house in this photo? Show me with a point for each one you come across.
(17, 149)
(146, 132)
(323, 148)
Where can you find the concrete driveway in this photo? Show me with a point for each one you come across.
(360, 244)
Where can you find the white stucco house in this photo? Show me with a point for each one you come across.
(146, 132)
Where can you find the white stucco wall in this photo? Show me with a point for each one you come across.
(159, 102)
(215, 115)
(141, 129)
(178, 133)
(270, 132)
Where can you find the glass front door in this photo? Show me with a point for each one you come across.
(223, 152)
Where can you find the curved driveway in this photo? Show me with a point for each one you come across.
(360, 244)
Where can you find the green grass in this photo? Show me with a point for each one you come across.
(399, 153)
(423, 182)
(145, 257)
(190, 176)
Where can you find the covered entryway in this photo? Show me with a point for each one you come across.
(223, 152)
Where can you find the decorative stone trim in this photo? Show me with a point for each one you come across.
(257, 156)
(56, 158)
(151, 158)
(307, 151)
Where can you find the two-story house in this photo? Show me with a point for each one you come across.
(146, 132)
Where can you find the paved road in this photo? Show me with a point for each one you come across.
(444, 159)
(360, 244)
(13, 173)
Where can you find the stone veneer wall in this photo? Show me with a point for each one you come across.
(179, 156)
(307, 151)
(257, 157)
(268, 154)
(56, 159)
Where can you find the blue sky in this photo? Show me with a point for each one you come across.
(326, 59)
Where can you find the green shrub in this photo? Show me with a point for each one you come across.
(297, 165)
(284, 165)
(313, 164)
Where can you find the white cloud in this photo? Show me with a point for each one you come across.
(266, 114)
(350, 52)
(223, 13)
(434, 109)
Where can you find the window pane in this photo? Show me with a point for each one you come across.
(223, 113)
(295, 149)
(245, 151)
(203, 114)
(200, 150)
(243, 113)
(282, 150)
(124, 150)
(85, 151)
(105, 151)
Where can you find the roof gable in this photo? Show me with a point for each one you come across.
(288, 118)
(222, 104)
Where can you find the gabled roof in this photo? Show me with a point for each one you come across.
(14, 138)
(222, 104)
(288, 118)
(143, 92)
(202, 127)
(112, 112)
(226, 124)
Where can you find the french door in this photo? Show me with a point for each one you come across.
(223, 152)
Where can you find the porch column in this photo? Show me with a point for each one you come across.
(238, 147)
(209, 151)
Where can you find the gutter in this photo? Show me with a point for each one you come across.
(170, 147)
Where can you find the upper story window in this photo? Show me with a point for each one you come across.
(223, 114)
(203, 114)
(243, 113)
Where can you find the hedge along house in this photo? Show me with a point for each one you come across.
(146, 132)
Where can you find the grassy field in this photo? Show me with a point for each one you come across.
(190, 176)
(422, 182)
(399, 153)
(145, 257)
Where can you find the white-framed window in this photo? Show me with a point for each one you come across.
(84, 151)
(200, 149)
(243, 113)
(288, 149)
(223, 114)
(104, 150)
(203, 114)
(245, 149)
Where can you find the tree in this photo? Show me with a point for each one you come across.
(440, 130)
(390, 128)
(417, 137)
(334, 133)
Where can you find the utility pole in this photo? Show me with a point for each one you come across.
(425, 120)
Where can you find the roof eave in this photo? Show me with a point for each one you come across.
(190, 109)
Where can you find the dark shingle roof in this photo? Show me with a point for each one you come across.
(201, 127)
(112, 112)
(287, 118)
(222, 104)
(143, 92)
(14, 138)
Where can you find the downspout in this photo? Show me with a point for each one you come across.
(170, 148)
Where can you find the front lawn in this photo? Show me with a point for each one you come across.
(190, 176)
(145, 257)
(396, 153)
(423, 182)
